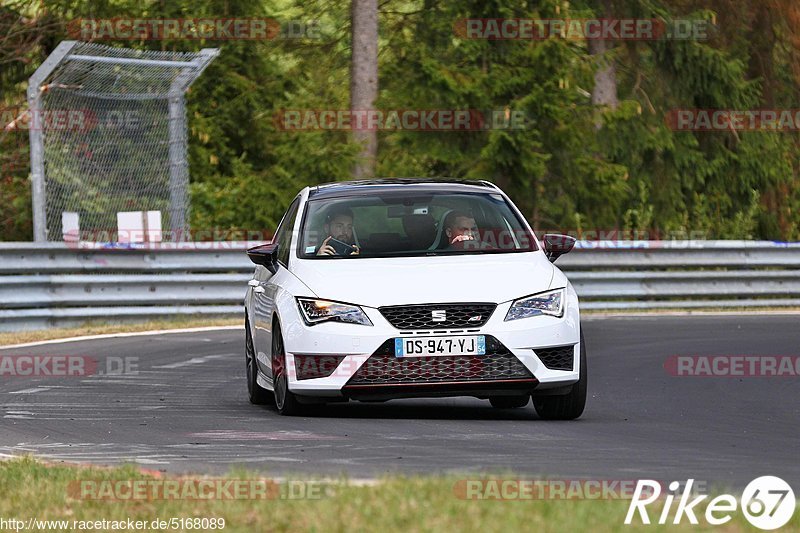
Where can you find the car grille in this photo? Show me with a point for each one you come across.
(383, 368)
(559, 358)
(411, 317)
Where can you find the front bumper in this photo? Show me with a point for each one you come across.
(386, 376)
(532, 353)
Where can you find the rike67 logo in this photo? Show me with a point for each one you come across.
(767, 502)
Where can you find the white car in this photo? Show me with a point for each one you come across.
(384, 289)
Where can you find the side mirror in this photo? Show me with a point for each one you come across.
(265, 255)
(556, 245)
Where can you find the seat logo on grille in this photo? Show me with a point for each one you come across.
(476, 318)
(439, 315)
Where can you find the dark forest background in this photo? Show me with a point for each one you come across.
(596, 152)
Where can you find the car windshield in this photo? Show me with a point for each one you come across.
(391, 224)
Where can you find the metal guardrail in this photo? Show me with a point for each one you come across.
(50, 258)
(52, 284)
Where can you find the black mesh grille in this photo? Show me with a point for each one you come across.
(316, 366)
(559, 358)
(411, 317)
(384, 368)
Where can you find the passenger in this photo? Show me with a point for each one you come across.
(339, 226)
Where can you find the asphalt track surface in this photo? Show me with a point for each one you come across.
(185, 410)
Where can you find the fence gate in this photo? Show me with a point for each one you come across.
(108, 135)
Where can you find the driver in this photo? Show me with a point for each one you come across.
(339, 226)
(460, 227)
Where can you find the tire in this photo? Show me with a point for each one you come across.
(569, 406)
(509, 402)
(285, 401)
(255, 392)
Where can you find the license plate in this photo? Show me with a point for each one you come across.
(440, 346)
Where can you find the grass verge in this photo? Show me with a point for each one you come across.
(46, 492)
(99, 328)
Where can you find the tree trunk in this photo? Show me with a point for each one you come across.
(364, 83)
(605, 79)
(604, 92)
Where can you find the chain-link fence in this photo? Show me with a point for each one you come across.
(109, 135)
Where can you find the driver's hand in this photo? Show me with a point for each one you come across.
(462, 238)
(356, 250)
(325, 248)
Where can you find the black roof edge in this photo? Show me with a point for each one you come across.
(332, 186)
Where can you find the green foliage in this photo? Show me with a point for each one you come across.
(568, 164)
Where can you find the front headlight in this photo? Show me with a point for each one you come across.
(316, 311)
(545, 303)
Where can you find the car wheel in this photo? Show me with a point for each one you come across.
(568, 406)
(509, 402)
(285, 400)
(257, 394)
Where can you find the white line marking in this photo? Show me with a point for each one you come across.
(30, 391)
(115, 335)
(602, 315)
(232, 434)
(195, 361)
(144, 461)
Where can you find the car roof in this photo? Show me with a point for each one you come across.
(359, 187)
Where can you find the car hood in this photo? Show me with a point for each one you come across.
(375, 282)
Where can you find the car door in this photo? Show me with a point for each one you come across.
(264, 292)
